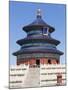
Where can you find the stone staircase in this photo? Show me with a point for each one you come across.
(33, 77)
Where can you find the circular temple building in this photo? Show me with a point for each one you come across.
(38, 47)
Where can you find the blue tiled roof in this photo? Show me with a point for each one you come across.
(37, 24)
(38, 39)
(38, 51)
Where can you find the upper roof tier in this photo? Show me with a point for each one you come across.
(38, 24)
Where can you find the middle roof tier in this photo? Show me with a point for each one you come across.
(42, 39)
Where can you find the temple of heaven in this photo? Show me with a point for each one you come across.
(38, 47)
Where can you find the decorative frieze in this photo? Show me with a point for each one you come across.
(38, 55)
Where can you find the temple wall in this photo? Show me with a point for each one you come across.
(33, 61)
(52, 75)
(46, 75)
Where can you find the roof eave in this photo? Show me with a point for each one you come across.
(30, 52)
(35, 27)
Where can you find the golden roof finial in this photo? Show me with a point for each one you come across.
(38, 12)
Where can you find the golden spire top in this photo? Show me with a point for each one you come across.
(38, 12)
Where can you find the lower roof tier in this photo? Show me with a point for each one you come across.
(38, 51)
(42, 39)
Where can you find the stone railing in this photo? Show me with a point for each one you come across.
(48, 75)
